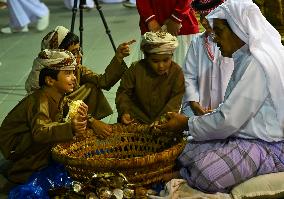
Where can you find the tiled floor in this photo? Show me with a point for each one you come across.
(18, 50)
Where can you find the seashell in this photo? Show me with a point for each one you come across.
(128, 193)
(104, 193)
(118, 193)
(91, 196)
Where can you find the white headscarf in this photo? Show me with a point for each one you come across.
(54, 59)
(264, 41)
(57, 59)
(54, 38)
(51, 41)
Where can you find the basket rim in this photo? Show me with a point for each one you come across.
(166, 155)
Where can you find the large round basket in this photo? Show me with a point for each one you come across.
(137, 151)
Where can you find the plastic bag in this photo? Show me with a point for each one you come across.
(41, 182)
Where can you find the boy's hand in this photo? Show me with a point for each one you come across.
(79, 124)
(208, 110)
(123, 50)
(197, 109)
(176, 123)
(79, 121)
(126, 119)
(173, 27)
(101, 129)
(83, 109)
(153, 26)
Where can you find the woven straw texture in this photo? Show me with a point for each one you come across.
(143, 154)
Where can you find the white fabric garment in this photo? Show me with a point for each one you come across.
(179, 189)
(56, 36)
(70, 3)
(23, 12)
(31, 83)
(248, 110)
(205, 80)
(247, 22)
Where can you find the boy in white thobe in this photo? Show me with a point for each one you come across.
(206, 71)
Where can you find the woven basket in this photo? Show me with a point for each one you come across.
(141, 153)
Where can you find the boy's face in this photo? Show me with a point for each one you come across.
(75, 49)
(160, 63)
(65, 82)
(224, 37)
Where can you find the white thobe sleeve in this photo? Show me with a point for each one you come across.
(190, 71)
(244, 101)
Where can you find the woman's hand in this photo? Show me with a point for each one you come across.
(176, 122)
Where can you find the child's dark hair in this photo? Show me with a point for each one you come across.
(47, 72)
(68, 40)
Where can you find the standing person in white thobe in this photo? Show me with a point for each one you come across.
(24, 12)
(206, 71)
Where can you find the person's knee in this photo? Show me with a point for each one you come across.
(211, 175)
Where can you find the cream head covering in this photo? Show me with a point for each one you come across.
(158, 43)
(264, 41)
(55, 59)
(54, 38)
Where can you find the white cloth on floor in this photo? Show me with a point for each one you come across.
(179, 189)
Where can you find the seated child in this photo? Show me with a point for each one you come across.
(152, 86)
(88, 84)
(206, 71)
(36, 124)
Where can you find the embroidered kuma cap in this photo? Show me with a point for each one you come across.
(54, 59)
(205, 6)
(57, 59)
(158, 43)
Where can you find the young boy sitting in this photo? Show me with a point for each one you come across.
(152, 86)
(89, 85)
(35, 124)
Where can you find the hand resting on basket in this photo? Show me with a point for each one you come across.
(101, 129)
(126, 119)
